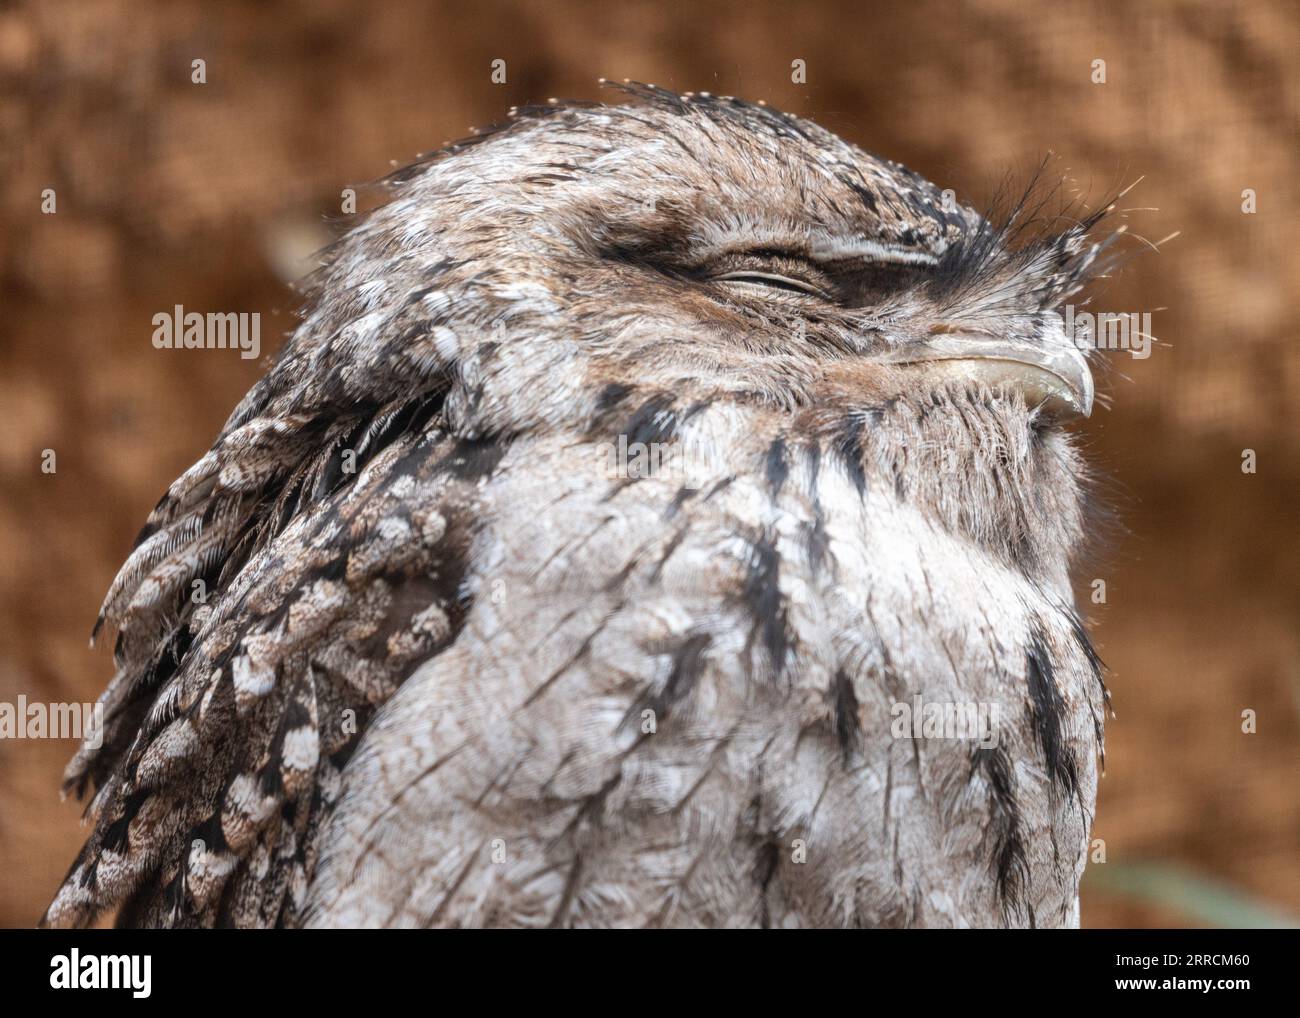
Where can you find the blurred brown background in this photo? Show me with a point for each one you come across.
(169, 192)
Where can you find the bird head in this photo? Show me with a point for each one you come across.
(714, 250)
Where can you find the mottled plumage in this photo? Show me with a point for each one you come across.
(459, 663)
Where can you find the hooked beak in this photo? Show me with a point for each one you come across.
(1053, 378)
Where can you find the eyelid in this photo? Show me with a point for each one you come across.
(746, 275)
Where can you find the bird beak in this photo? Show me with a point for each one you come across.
(1054, 378)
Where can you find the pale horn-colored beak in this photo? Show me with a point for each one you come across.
(1054, 378)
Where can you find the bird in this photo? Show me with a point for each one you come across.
(664, 514)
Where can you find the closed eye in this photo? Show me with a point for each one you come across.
(774, 281)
